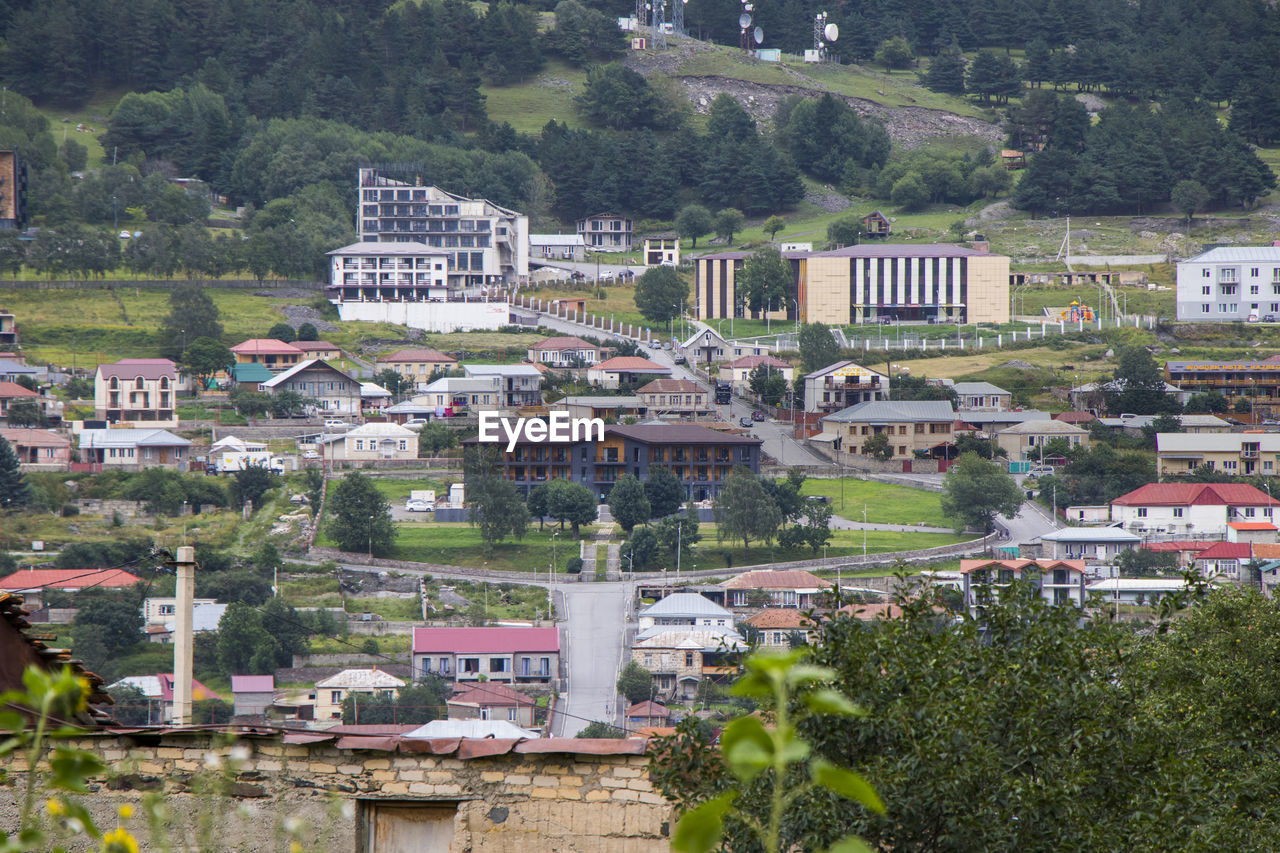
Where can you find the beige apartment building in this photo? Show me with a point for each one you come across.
(871, 284)
(925, 426)
(1236, 453)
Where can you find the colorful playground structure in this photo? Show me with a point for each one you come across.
(1076, 312)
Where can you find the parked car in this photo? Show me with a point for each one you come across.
(1040, 471)
(746, 422)
(757, 415)
(1269, 318)
(415, 424)
(418, 505)
(310, 454)
(819, 499)
(679, 359)
(335, 423)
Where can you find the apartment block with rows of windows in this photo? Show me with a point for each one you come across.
(483, 242)
(1230, 283)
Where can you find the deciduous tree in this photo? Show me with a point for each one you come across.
(360, 517)
(975, 491)
(694, 221)
(664, 491)
(744, 509)
(628, 503)
(659, 294)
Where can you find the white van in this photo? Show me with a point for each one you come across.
(335, 423)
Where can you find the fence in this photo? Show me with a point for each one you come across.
(980, 339)
(558, 308)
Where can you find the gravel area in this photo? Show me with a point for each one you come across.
(299, 314)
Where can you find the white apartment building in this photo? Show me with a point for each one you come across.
(484, 243)
(1230, 283)
(1194, 509)
(388, 272)
(137, 390)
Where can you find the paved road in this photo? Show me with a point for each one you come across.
(592, 634)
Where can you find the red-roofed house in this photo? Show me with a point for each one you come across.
(565, 352)
(624, 369)
(142, 390)
(322, 350)
(39, 449)
(519, 655)
(1060, 581)
(781, 587)
(777, 625)
(11, 391)
(1186, 549)
(276, 355)
(489, 701)
(738, 371)
(32, 583)
(648, 713)
(418, 366)
(1198, 509)
(1224, 559)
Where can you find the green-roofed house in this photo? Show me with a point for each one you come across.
(252, 373)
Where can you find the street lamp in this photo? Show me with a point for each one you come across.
(370, 538)
(551, 579)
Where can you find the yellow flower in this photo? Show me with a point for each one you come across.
(295, 847)
(126, 811)
(54, 807)
(82, 701)
(119, 840)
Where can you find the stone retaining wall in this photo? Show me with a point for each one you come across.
(547, 794)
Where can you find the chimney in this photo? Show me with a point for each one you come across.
(182, 644)
(982, 245)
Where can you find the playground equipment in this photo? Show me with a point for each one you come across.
(1076, 312)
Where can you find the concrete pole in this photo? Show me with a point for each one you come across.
(182, 648)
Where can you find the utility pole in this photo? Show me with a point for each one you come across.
(182, 648)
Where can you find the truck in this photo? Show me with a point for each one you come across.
(724, 393)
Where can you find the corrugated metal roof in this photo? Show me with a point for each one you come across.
(776, 579)
(895, 411)
(253, 683)
(1237, 254)
(683, 604)
(1195, 494)
(1091, 534)
(901, 250)
(978, 388)
(68, 579)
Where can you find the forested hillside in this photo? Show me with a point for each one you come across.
(274, 103)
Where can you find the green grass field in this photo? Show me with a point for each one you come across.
(528, 106)
(459, 544)
(885, 502)
(710, 554)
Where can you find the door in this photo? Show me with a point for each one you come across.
(400, 827)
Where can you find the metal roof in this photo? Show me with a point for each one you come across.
(387, 249)
(895, 412)
(485, 640)
(90, 438)
(294, 371)
(901, 250)
(501, 370)
(1045, 427)
(686, 604)
(1091, 534)
(1237, 254)
(1215, 442)
(977, 388)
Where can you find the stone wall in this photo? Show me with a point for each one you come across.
(571, 796)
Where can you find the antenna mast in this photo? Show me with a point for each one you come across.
(659, 29)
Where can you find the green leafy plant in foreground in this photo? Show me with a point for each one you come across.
(777, 756)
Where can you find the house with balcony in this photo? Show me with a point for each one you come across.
(699, 457)
(605, 232)
(332, 393)
(1229, 283)
(451, 396)
(682, 398)
(1191, 509)
(662, 251)
(925, 427)
(388, 272)
(507, 655)
(1225, 560)
(681, 657)
(624, 370)
(1059, 581)
(39, 449)
(1094, 545)
(1235, 453)
(519, 385)
(981, 396)
(137, 390)
(482, 243)
(565, 351)
(276, 356)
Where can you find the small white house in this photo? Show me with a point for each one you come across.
(685, 608)
(331, 691)
(372, 442)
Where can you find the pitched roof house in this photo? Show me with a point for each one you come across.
(489, 701)
(512, 655)
(564, 351)
(1198, 509)
(781, 587)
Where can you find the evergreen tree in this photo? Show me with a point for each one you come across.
(360, 518)
(15, 492)
(664, 491)
(946, 72)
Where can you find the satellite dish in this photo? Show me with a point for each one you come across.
(831, 32)
(744, 20)
(758, 35)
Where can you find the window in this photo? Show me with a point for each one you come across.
(1205, 273)
(1253, 289)
(335, 696)
(444, 666)
(1204, 309)
(471, 664)
(545, 668)
(498, 665)
(511, 714)
(1206, 290)
(688, 658)
(1253, 272)
(1177, 512)
(1142, 512)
